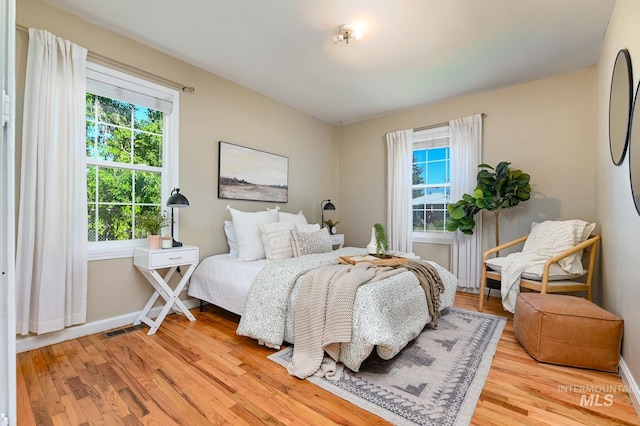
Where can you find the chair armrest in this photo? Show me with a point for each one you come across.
(503, 246)
(587, 243)
(591, 241)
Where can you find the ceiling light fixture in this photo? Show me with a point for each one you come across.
(348, 32)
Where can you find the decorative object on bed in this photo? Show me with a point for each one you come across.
(387, 314)
(250, 174)
(447, 367)
(151, 223)
(392, 261)
(620, 102)
(325, 205)
(499, 189)
(176, 201)
(550, 261)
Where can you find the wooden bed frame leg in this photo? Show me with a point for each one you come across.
(202, 306)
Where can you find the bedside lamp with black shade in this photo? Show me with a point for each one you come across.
(325, 206)
(176, 201)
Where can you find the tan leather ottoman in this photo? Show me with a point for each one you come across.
(568, 330)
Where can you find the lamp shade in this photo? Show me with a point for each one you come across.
(177, 200)
(328, 206)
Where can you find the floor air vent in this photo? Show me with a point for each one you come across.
(120, 331)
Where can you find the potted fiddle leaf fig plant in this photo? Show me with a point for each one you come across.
(498, 188)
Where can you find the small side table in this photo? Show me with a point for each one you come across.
(337, 241)
(148, 261)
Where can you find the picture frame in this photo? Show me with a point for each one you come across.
(250, 174)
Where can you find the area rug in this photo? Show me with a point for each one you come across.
(435, 380)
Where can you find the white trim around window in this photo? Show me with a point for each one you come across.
(141, 92)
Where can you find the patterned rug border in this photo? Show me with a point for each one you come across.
(467, 407)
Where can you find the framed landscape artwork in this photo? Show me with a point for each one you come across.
(249, 174)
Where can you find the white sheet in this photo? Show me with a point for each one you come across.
(224, 281)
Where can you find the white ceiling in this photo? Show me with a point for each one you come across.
(413, 52)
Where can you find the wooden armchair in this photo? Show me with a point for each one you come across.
(545, 283)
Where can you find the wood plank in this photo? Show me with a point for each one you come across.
(203, 373)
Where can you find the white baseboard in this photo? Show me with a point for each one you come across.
(630, 385)
(37, 341)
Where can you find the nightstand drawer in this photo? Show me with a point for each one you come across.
(164, 259)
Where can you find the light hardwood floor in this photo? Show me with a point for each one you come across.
(201, 373)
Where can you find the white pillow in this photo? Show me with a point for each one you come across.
(312, 242)
(232, 241)
(553, 237)
(535, 272)
(246, 226)
(298, 218)
(311, 227)
(277, 239)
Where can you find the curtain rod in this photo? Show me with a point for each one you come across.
(433, 126)
(127, 67)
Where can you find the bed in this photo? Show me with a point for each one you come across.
(387, 314)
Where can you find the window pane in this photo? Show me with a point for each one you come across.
(114, 144)
(148, 119)
(114, 222)
(437, 172)
(91, 140)
(148, 149)
(90, 106)
(114, 185)
(419, 155)
(112, 111)
(148, 188)
(438, 153)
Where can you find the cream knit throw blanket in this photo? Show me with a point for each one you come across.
(324, 312)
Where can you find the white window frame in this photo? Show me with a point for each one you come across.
(98, 74)
(425, 139)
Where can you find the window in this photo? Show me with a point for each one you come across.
(131, 149)
(431, 184)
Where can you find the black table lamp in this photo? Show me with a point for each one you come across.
(177, 201)
(325, 206)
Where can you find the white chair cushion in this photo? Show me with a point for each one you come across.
(535, 272)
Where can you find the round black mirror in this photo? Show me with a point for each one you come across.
(634, 151)
(620, 106)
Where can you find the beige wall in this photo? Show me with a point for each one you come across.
(620, 290)
(218, 110)
(545, 128)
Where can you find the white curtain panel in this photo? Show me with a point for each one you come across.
(466, 156)
(399, 209)
(51, 258)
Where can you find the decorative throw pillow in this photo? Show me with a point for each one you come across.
(232, 241)
(312, 242)
(553, 237)
(277, 240)
(311, 227)
(246, 226)
(298, 218)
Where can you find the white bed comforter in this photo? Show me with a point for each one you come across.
(388, 313)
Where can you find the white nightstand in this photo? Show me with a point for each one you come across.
(337, 241)
(148, 261)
